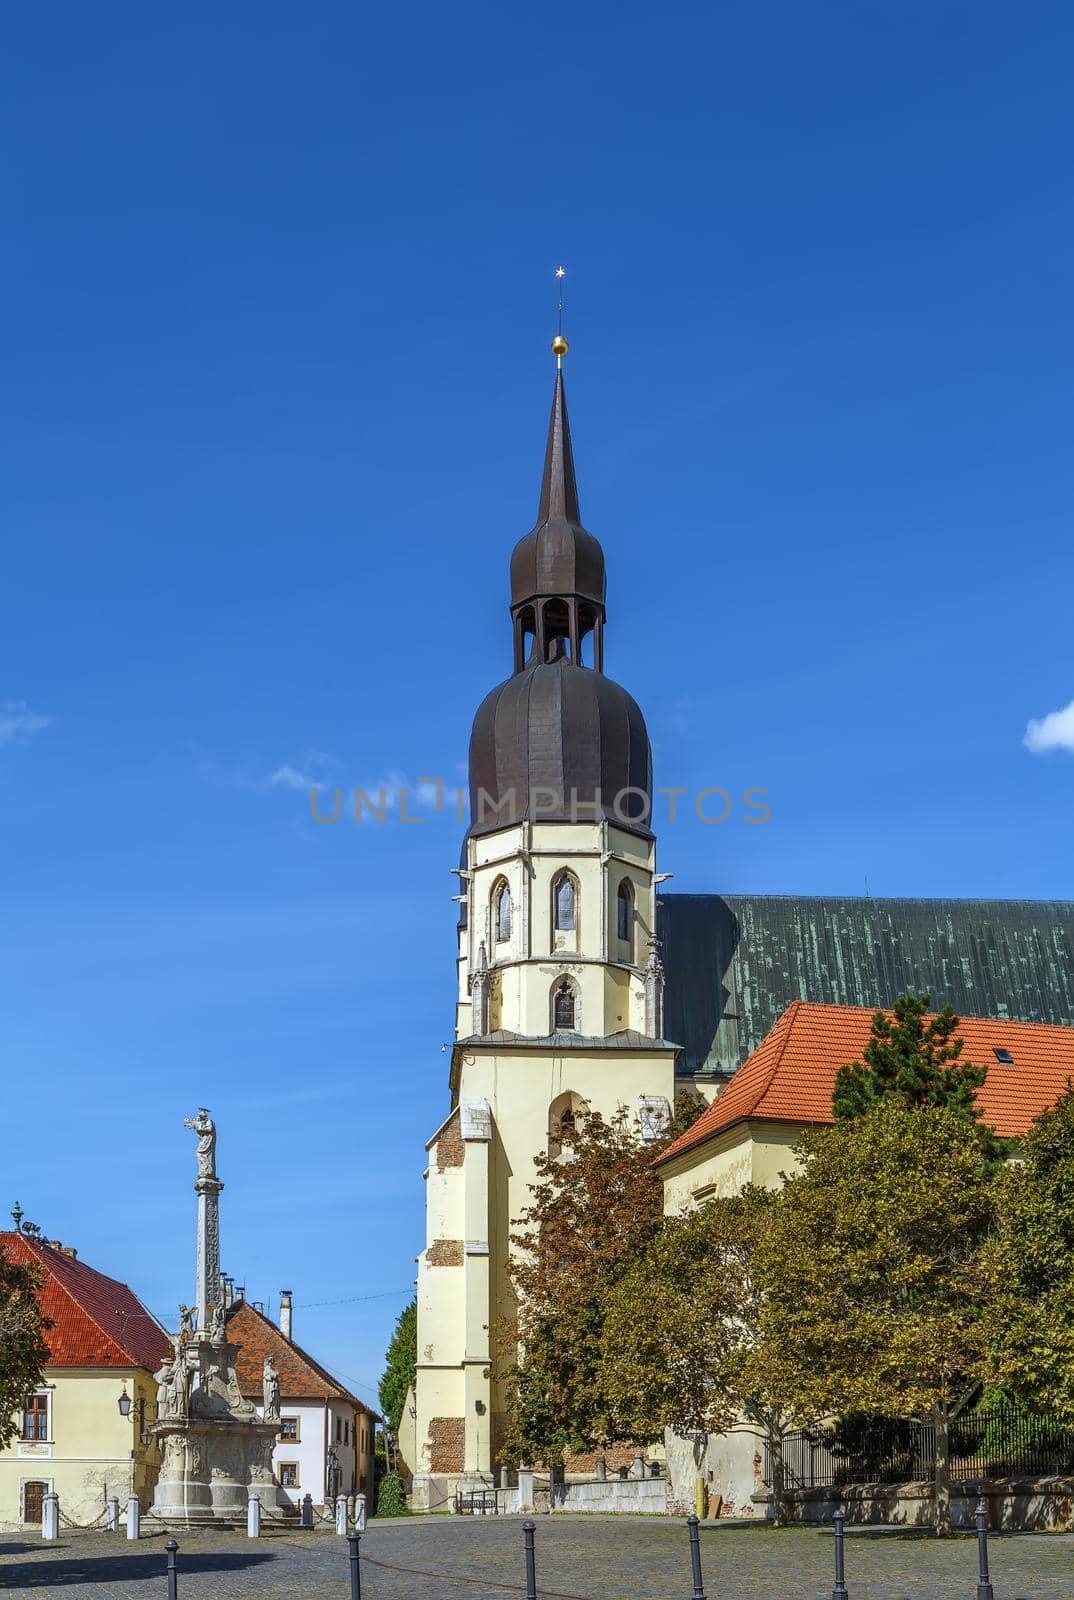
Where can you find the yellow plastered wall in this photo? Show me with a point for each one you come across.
(751, 1152)
(88, 1456)
(529, 858)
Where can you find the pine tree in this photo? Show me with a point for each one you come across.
(916, 1060)
(401, 1364)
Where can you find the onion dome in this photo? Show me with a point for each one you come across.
(558, 741)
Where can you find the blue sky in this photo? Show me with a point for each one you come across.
(277, 299)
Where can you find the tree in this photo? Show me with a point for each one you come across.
(23, 1351)
(592, 1211)
(391, 1497)
(915, 1059)
(873, 1276)
(683, 1343)
(401, 1364)
(1032, 1262)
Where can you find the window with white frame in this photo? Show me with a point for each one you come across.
(35, 1418)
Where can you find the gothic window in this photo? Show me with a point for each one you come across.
(564, 901)
(565, 1115)
(501, 911)
(625, 912)
(564, 1011)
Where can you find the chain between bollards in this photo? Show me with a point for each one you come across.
(354, 1540)
(695, 1558)
(528, 1530)
(173, 1571)
(984, 1582)
(840, 1590)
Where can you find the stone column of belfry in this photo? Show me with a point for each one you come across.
(559, 1006)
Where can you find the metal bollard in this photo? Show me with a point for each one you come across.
(840, 1590)
(984, 1582)
(528, 1530)
(307, 1511)
(354, 1540)
(173, 1571)
(695, 1558)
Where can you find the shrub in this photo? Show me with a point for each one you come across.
(391, 1498)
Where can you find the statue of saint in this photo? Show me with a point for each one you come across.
(205, 1128)
(271, 1391)
(186, 1324)
(165, 1390)
(181, 1389)
(216, 1323)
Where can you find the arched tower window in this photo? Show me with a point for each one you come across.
(565, 1007)
(565, 1116)
(501, 912)
(565, 903)
(624, 913)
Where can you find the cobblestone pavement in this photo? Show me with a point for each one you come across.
(590, 1558)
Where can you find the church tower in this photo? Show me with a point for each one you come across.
(560, 986)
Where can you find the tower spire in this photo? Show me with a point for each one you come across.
(559, 489)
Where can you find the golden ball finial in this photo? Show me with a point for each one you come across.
(559, 345)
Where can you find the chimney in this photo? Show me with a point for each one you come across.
(240, 1291)
(285, 1314)
(69, 1250)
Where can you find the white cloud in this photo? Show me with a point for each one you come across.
(306, 774)
(17, 721)
(1053, 732)
(286, 777)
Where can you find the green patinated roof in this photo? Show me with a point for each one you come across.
(735, 962)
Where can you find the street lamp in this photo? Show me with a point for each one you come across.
(333, 1471)
(124, 1402)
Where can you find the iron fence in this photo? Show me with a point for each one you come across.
(996, 1440)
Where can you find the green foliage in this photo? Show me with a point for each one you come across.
(1032, 1264)
(683, 1341)
(23, 1351)
(593, 1210)
(391, 1498)
(401, 1363)
(914, 1059)
(876, 1290)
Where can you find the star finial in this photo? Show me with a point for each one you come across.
(559, 343)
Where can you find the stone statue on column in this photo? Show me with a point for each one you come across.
(205, 1128)
(212, 1443)
(271, 1391)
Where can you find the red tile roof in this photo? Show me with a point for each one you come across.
(301, 1378)
(791, 1074)
(97, 1322)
